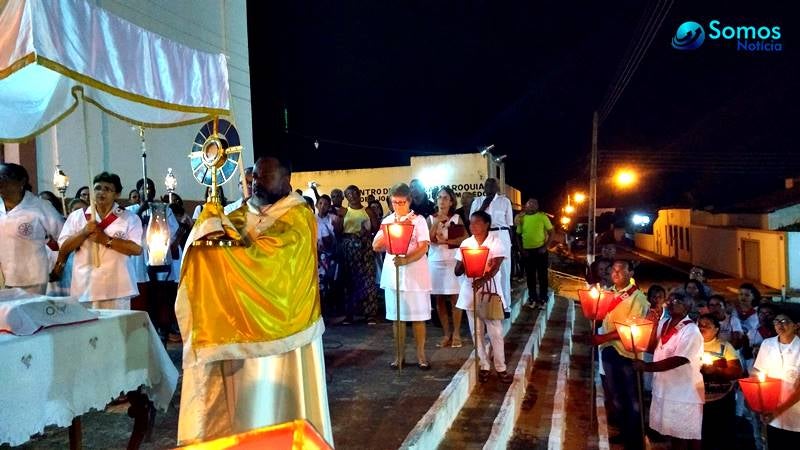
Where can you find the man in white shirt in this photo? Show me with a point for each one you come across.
(26, 225)
(498, 206)
(103, 238)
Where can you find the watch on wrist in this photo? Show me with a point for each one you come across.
(109, 241)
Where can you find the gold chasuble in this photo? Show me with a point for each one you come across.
(251, 324)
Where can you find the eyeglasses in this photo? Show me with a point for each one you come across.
(674, 300)
(781, 321)
(715, 304)
(400, 203)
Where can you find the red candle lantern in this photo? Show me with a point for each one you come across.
(398, 237)
(761, 393)
(635, 334)
(289, 435)
(595, 302)
(474, 261)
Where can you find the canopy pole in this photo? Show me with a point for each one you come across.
(92, 206)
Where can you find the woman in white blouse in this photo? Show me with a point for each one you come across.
(26, 225)
(442, 263)
(415, 282)
(779, 357)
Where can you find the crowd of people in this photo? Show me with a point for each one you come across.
(700, 345)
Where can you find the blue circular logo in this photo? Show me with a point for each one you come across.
(689, 36)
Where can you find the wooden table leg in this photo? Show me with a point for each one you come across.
(143, 412)
(75, 434)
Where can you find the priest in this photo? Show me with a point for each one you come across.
(250, 316)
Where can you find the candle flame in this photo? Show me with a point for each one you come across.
(395, 230)
(708, 359)
(762, 377)
(594, 293)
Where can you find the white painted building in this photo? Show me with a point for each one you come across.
(747, 241)
(215, 26)
(463, 173)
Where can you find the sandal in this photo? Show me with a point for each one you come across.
(483, 376)
(424, 366)
(505, 377)
(456, 342)
(445, 342)
(396, 366)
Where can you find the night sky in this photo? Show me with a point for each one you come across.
(378, 82)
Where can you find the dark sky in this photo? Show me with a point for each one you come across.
(439, 77)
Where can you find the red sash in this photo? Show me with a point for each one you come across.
(107, 220)
(622, 296)
(666, 334)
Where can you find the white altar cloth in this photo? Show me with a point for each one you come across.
(62, 372)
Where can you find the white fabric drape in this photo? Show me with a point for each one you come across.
(50, 49)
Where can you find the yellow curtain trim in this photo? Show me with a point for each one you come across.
(52, 65)
(30, 58)
(75, 90)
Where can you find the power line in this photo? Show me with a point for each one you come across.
(653, 24)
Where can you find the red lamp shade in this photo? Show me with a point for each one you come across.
(595, 302)
(474, 260)
(288, 436)
(398, 237)
(635, 334)
(762, 394)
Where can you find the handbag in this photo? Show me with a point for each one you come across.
(490, 305)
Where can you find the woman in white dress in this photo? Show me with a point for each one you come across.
(678, 391)
(415, 282)
(442, 263)
(779, 357)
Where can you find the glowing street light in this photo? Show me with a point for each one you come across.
(579, 197)
(565, 220)
(569, 209)
(625, 178)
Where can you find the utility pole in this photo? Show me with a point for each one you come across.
(590, 244)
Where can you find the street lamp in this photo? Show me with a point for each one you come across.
(61, 183)
(569, 209)
(171, 183)
(625, 178)
(579, 197)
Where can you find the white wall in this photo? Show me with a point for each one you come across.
(113, 145)
(793, 251)
(758, 221)
(784, 217)
(719, 249)
(645, 241)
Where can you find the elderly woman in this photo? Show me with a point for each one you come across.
(103, 238)
(415, 282)
(27, 223)
(779, 357)
(720, 369)
(678, 392)
(442, 262)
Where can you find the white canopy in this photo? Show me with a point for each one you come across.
(51, 49)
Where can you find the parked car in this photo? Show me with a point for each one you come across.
(577, 236)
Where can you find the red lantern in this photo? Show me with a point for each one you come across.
(761, 393)
(289, 435)
(635, 334)
(398, 237)
(595, 302)
(474, 260)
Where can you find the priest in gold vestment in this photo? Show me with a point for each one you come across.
(250, 316)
